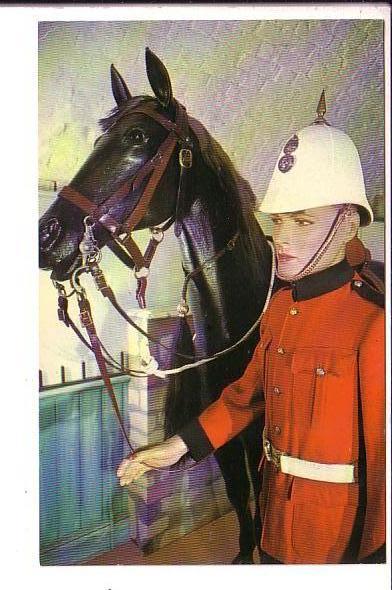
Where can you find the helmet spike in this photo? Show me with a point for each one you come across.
(321, 109)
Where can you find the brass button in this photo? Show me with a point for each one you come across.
(294, 311)
(358, 283)
(277, 430)
(277, 390)
(320, 372)
(281, 350)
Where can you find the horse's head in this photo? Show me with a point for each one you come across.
(112, 181)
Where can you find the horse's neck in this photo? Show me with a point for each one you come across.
(227, 293)
(203, 241)
(200, 237)
(199, 245)
(208, 220)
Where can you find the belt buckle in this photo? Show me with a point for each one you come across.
(267, 449)
(275, 457)
(271, 454)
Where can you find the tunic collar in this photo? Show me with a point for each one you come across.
(319, 283)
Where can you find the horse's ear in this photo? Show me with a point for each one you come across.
(159, 78)
(119, 88)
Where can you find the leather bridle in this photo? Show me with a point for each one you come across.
(152, 170)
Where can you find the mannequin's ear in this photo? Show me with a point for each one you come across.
(159, 79)
(350, 222)
(356, 253)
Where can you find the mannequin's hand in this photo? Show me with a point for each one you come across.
(162, 455)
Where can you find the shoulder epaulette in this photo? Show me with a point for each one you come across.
(368, 292)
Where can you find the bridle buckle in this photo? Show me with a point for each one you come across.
(185, 158)
(182, 308)
(157, 234)
(141, 273)
(85, 318)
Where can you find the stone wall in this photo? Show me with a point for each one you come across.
(165, 505)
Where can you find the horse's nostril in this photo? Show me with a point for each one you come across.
(49, 233)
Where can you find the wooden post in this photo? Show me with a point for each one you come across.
(62, 374)
(83, 370)
(40, 379)
(122, 361)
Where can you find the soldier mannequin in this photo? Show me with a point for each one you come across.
(317, 372)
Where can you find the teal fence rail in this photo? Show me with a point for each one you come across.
(83, 509)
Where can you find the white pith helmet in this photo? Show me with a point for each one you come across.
(318, 166)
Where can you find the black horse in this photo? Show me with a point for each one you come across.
(214, 222)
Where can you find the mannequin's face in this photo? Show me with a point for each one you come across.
(297, 237)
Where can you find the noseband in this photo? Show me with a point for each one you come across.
(153, 169)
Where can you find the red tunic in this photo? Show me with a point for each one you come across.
(314, 415)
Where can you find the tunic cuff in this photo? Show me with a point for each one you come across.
(196, 440)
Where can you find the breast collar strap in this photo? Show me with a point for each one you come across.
(153, 171)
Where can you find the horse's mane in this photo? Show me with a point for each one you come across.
(214, 156)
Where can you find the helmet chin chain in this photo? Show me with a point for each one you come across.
(343, 213)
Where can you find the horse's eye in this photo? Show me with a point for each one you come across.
(135, 137)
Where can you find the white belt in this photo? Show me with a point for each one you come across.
(333, 473)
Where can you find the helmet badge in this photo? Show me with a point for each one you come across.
(287, 161)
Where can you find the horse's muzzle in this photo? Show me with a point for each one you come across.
(49, 234)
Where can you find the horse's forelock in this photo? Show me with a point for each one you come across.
(119, 111)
